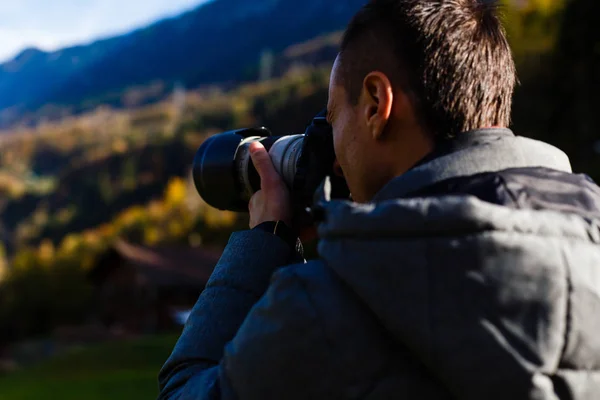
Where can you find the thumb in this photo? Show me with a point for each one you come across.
(264, 165)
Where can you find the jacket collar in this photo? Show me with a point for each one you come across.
(484, 150)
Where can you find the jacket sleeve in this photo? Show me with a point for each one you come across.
(240, 278)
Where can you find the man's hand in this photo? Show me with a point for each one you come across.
(272, 202)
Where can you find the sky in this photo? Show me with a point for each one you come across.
(52, 24)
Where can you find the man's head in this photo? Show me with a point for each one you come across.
(412, 71)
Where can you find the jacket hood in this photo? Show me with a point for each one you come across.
(389, 214)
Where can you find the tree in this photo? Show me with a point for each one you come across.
(573, 123)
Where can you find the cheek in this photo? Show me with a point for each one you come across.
(339, 145)
(345, 150)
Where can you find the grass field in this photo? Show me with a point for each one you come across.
(115, 371)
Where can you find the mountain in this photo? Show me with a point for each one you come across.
(218, 42)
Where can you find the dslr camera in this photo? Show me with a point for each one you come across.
(226, 178)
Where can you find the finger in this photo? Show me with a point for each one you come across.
(264, 165)
(251, 205)
(253, 200)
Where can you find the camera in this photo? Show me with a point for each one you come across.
(226, 178)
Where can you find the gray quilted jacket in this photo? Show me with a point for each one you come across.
(452, 296)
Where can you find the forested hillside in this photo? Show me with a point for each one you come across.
(71, 187)
(220, 42)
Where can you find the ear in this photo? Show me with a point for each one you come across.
(377, 98)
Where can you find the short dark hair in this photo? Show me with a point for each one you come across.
(451, 56)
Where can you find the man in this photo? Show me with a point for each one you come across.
(467, 265)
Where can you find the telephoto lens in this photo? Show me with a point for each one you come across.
(226, 178)
(224, 174)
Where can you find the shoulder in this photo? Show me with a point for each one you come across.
(281, 349)
(308, 322)
(312, 276)
(316, 286)
(335, 304)
(357, 342)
